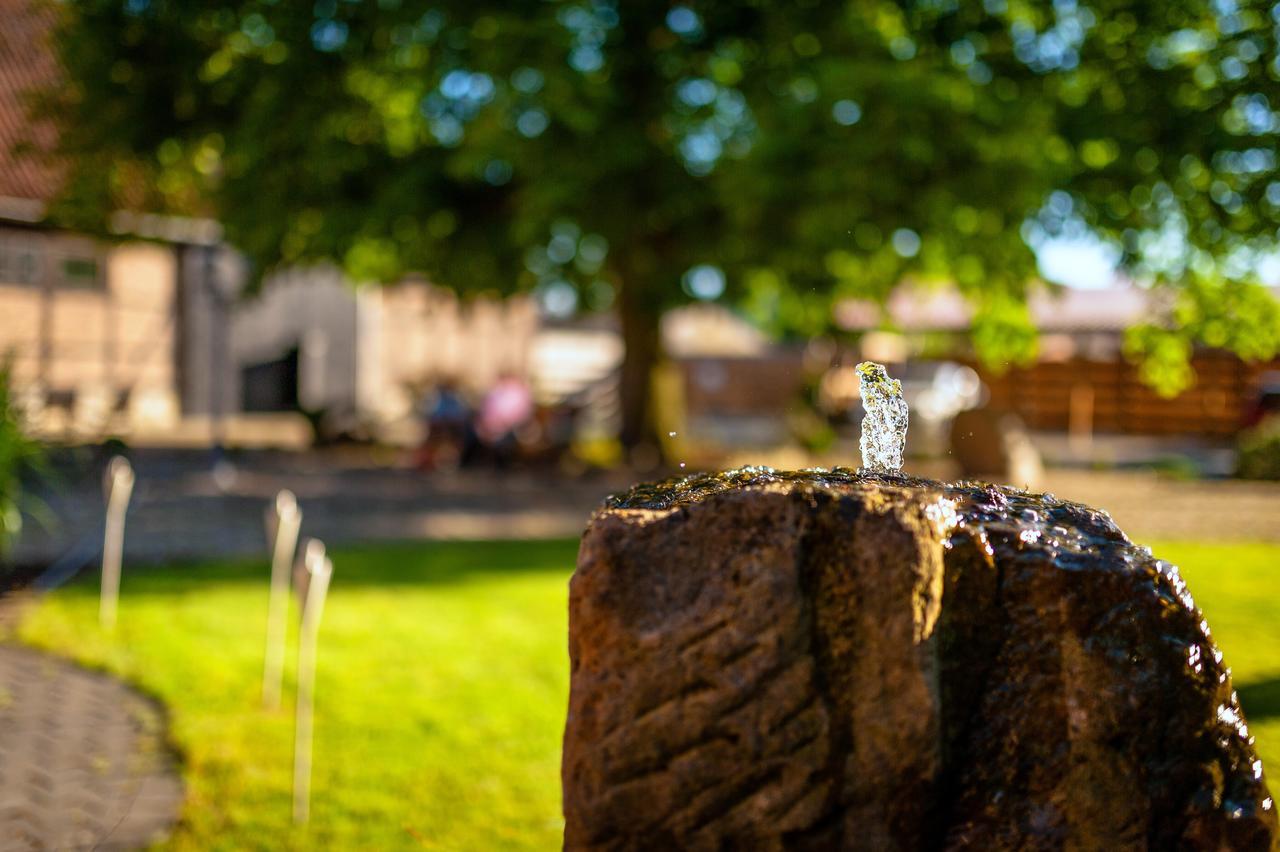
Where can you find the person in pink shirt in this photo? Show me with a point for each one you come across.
(505, 408)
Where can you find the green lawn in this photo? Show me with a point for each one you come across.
(440, 695)
(442, 687)
(1238, 588)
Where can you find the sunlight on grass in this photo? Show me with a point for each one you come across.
(442, 687)
(1238, 588)
(441, 693)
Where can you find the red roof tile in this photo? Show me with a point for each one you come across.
(27, 64)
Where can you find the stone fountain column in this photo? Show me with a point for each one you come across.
(826, 660)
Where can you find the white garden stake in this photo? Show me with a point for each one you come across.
(118, 484)
(283, 520)
(319, 569)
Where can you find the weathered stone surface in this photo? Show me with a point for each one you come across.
(825, 660)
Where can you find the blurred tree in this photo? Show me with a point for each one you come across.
(643, 153)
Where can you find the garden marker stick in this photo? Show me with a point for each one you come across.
(283, 521)
(118, 484)
(319, 569)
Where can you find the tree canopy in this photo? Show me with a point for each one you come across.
(638, 154)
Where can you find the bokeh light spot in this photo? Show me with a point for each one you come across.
(704, 281)
(846, 112)
(906, 242)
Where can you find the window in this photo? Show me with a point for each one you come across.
(60, 260)
(27, 267)
(76, 263)
(80, 272)
(19, 263)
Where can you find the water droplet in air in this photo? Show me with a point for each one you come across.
(682, 464)
(671, 434)
(884, 429)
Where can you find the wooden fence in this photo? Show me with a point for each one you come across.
(1109, 396)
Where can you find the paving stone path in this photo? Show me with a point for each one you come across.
(182, 509)
(83, 760)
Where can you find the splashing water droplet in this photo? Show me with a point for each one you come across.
(681, 464)
(671, 434)
(884, 429)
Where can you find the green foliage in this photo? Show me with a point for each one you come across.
(1230, 314)
(1164, 357)
(817, 150)
(1259, 451)
(1003, 334)
(21, 458)
(1177, 468)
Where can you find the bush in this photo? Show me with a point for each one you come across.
(22, 458)
(1259, 451)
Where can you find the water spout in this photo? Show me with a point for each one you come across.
(884, 429)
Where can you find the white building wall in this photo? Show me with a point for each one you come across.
(311, 309)
(366, 352)
(167, 325)
(88, 325)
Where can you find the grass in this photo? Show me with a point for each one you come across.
(442, 687)
(440, 696)
(1237, 585)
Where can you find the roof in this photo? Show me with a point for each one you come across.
(30, 177)
(704, 329)
(1110, 309)
(27, 64)
(1068, 310)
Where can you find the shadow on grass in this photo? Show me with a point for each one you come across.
(406, 564)
(1260, 700)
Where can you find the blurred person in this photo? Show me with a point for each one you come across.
(450, 440)
(546, 438)
(506, 408)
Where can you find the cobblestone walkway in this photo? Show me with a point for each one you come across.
(83, 763)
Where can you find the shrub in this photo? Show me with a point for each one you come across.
(1259, 451)
(22, 458)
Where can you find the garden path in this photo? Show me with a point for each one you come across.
(84, 763)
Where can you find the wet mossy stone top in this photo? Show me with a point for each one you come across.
(832, 659)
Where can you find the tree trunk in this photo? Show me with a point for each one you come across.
(639, 317)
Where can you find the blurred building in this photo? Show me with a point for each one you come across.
(155, 337)
(1081, 381)
(90, 328)
(726, 385)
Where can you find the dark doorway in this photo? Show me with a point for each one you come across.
(271, 385)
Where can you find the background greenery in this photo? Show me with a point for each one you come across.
(443, 685)
(22, 460)
(1259, 450)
